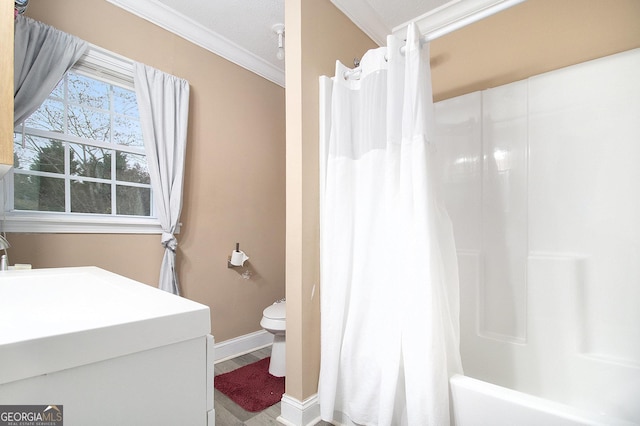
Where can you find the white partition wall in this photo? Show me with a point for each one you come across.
(542, 182)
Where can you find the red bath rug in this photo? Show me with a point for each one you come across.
(251, 386)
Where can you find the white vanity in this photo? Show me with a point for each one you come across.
(110, 350)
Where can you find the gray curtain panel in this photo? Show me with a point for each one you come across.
(43, 55)
(163, 102)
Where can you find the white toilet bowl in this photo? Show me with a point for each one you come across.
(273, 320)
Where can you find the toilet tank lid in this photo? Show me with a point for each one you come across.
(276, 311)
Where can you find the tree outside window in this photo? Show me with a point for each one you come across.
(82, 152)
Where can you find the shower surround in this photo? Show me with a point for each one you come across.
(542, 183)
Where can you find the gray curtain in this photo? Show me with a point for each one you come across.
(42, 56)
(163, 102)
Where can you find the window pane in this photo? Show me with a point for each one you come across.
(40, 154)
(38, 193)
(90, 161)
(82, 112)
(127, 131)
(17, 144)
(89, 123)
(89, 92)
(90, 197)
(50, 116)
(131, 168)
(124, 102)
(133, 201)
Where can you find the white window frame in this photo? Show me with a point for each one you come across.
(114, 69)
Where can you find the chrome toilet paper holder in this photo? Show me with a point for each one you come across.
(237, 258)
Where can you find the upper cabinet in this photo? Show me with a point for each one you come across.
(6, 86)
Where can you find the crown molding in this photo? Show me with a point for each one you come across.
(159, 14)
(454, 15)
(366, 18)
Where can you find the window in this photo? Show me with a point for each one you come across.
(79, 159)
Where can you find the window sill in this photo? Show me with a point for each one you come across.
(78, 224)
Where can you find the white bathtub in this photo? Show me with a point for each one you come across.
(478, 403)
(540, 179)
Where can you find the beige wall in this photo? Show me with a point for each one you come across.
(234, 181)
(317, 35)
(533, 37)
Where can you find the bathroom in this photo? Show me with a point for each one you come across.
(239, 176)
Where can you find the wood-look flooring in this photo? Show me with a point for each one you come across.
(228, 413)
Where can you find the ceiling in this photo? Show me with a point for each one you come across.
(241, 31)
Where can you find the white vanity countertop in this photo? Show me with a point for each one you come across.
(53, 319)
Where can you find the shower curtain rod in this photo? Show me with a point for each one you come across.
(445, 29)
(355, 72)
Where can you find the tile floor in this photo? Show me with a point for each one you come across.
(228, 413)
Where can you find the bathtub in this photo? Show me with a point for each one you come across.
(541, 182)
(478, 403)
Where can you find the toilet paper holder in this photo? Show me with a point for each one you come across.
(237, 258)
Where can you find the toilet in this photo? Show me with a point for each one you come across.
(273, 321)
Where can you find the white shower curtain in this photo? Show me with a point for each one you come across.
(389, 277)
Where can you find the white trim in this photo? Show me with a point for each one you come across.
(99, 62)
(299, 413)
(242, 345)
(211, 351)
(167, 18)
(50, 134)
(66, 223)
(454, 15)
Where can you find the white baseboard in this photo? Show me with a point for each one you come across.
(242, 345)
(299, 413)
